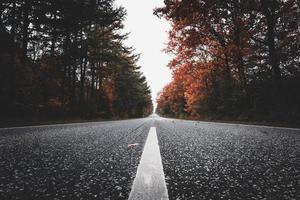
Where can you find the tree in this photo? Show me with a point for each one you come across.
(67, 58)
(235, 58)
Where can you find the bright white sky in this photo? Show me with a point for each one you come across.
(148, 35)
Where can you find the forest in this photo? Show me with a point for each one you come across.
(233, 60)
(67, 58)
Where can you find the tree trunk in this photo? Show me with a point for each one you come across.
(53, 39)
(12, 89)
(268, 9)
(93, 80)
(65, 67)
(273, 54)
(25, 33)
(239, 60)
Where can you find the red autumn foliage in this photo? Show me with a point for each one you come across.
(233, 59)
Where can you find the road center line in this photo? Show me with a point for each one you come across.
(149, 182)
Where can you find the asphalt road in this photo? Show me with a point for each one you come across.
(99, 160)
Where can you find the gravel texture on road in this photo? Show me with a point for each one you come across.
(72, 161)
(99, 160)
(205, 160)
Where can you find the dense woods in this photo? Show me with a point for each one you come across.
(233, 60)
(63, 58)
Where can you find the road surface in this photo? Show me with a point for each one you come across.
(189, 159)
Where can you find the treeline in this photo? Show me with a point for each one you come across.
(62, 58)
(233, 60)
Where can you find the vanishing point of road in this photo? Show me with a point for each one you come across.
(150, 158)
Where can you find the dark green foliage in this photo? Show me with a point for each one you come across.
(66, 58)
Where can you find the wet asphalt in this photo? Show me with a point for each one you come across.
(201, 160)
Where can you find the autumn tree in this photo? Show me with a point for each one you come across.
(235, 58)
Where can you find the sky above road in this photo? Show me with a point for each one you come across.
(148, 35)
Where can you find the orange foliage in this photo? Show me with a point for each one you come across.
(109, 91)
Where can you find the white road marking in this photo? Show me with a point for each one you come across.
(149, 183)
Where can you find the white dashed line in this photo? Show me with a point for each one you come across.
(149, 183)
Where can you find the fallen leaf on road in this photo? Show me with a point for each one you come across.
(133, 145)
